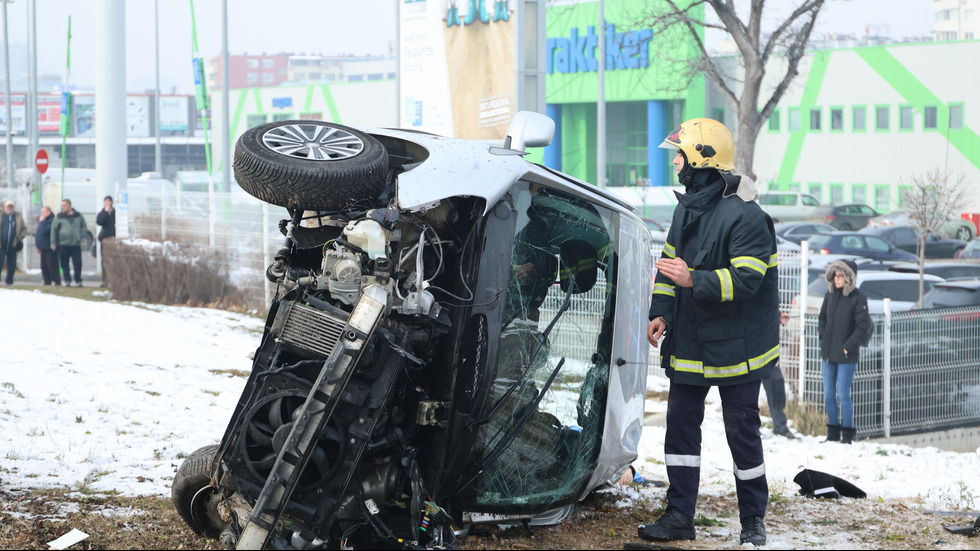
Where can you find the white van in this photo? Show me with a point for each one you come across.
(788, 206)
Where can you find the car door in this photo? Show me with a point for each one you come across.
(877, 248)
(863, 214)
(904, 238)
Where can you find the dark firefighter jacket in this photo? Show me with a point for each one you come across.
(725, 329)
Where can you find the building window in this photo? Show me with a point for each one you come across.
(774, 121)
(315, 76)
(718, 113)
(906, 117)
(252, 78)
(968, 36)
(956, 117)
(268, 78)
(881, 117)
(881, 199)
(860, 118)
(968, 15)
(376, 76)
(282, 70)
(311, 116)
(281, 116)
(816, 190)
(930, 117)
(626, 144)
(252, 63)
(815, 119)
(391, 75)
(837, 119)
(355, 78)
(794, 119)
(268, 63)
(254, 120)
(860, 193)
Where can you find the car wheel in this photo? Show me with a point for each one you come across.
(963, 233)
(87, 240)
(312, 165)
(194, 498)
(845, 227)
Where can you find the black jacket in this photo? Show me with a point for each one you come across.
(844, 319)
(42, 236)
(107, 221)
(725, 329)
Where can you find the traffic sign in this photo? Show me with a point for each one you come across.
(41, 161)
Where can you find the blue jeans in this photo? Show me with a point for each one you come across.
(837, 379)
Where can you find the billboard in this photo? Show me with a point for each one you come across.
(17, 113)
(174, 115)
(49, 113)
(138, 116)
(84, 106)
(457, 67)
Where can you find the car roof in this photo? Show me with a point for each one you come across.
(968, 284)
(883, 275)
(905, 266)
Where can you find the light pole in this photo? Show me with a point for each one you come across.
(600, 119)
(7, 98)
(157, 154)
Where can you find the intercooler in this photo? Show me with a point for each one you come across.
(308, 329)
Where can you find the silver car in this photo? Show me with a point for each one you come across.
(457, 337)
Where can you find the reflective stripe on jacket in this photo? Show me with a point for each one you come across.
(725, 329)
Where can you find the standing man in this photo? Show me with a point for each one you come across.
(716, 298)
(42, 240)
(66, 237)
(12, 232)
(106, 219)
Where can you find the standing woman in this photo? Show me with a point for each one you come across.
(845, 326)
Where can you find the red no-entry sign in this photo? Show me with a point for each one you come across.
(41, 161)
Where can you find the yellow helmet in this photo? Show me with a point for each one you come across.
(705, 142)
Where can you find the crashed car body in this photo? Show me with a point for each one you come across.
(458, 335)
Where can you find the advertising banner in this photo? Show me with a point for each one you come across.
(174, 115)
(17, 112)
(84, 115)
(49, 114)
(138, 116)
(457, 67)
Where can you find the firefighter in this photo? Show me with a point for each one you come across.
(716, 299)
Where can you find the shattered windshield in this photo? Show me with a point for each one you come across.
(533, 455)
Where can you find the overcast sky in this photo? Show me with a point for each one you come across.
(309, 26)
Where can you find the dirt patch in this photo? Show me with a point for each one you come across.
(30, 519)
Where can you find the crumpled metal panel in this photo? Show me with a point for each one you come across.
(627, 382)
(454, 168)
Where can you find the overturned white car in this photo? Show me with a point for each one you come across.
(459, 335)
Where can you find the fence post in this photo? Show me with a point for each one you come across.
(266, 260)
(163, 212)
(804, 271)
(886, 369)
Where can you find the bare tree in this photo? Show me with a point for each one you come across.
(790, 37)
(931, 200)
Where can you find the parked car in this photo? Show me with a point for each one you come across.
(857, 244)
(907, 239)
(799, 231)
(946, 270)
(955, 229)
(433, 348)
(845, 217)
(787, 206)
(972, 249)
(954, 294)
(901, 288)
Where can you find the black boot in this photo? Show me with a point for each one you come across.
(753, 531)
(672, 525)
(833, 433)
(847, 434)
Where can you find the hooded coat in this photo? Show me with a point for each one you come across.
(725, 329)
(844, 323)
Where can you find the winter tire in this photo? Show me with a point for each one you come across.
(310, 165)
(193, 496)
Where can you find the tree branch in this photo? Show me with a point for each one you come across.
(705, 58)
(814, 5)
(793, 56)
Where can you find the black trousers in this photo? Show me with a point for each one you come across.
(8, 261)
(682, 445)
(775, 387)
(74, 253)
(49, 267)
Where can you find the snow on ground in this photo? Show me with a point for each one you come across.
(106, 396)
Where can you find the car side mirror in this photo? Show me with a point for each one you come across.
(529, 129)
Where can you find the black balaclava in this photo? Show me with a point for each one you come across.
(694, 180)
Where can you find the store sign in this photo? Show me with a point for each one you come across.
(578, 52)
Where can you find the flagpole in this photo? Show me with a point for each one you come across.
(65, 122)
(10, 122)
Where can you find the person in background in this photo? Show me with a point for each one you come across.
(775, 387)
(66, 237)
(42, 241)
(106, 219)
(844, 326)
(12, 233)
